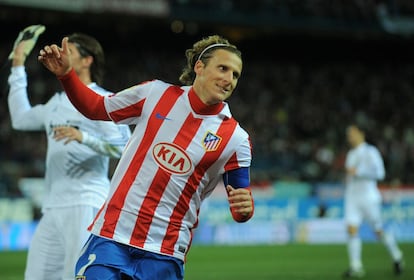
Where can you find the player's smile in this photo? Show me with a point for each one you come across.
(225, 90)
(220, 93)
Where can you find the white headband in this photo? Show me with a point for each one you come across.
(212, 46)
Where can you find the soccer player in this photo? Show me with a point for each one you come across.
(185, 142)
(364, 168)
(77, 160)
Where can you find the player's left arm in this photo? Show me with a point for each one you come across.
(237, 182)
(240, 197)
(112, 142)
(107, 146)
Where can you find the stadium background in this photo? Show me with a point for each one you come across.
(310, 66)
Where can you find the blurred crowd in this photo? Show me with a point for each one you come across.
(298, 126)
(348, 10)
(295, 97)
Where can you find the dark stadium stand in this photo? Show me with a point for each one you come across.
(309, 68)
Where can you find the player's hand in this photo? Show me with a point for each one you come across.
(240, 200)
(19, 57)
(351, 171)
(67, 133)
(56, 59)
(29, 35)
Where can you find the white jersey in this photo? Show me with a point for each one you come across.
(367, 161)
(76, 174)
(175, 158)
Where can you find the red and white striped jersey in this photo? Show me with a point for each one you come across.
(178, 152)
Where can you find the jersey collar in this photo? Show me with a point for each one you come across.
(200, 108)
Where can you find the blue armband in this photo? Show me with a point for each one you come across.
(237, 178)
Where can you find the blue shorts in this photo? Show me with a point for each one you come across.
(105, 259)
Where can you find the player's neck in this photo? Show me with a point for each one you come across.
(86, 79)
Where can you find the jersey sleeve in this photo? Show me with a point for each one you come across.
(126, 106)
(112, 144)
(23, 115)
(237, 168)
(88, 102)
(242, 157)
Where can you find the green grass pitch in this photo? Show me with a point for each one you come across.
(265, 262)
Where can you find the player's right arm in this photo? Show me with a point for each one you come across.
(23, 116)
(58, 61)
(88, 102)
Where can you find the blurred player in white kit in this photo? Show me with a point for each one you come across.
(364, 167)
(77, 160)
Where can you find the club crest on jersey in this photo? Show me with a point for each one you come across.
(171, 158)
(211, 142)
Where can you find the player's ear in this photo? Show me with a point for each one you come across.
(198, 67)
(88, 60)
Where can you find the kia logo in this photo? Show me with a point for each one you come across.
(171, 158)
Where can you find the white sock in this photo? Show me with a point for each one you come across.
(389, 241)
(354, 252)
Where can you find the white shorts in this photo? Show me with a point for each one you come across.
(57, 242)
(359, 209)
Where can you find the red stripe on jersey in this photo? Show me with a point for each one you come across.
(225, 131)
(159, 184)
(127, 112)
(232, 163)
(117, 201)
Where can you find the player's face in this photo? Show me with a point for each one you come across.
(354, 136)
(79, 63)
(216, 80)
